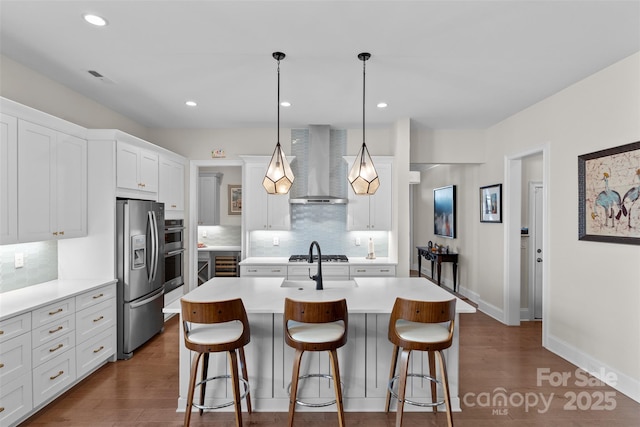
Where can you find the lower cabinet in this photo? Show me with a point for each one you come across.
(372, 271)
(46, 351)
(263, 270)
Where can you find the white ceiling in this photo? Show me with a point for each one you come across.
(444, 64)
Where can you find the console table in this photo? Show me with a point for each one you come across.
(438, 257)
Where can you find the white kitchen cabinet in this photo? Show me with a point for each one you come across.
(260, 210)
(209, 198)
(372, 271)
(372, 212)
(8, 179)
(16, 399)
(52, 184)
(137, 170)
(263, 270)
(171, 184)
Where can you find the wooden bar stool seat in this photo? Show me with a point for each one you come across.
(423, 326)
(315, 326)
(212, 327)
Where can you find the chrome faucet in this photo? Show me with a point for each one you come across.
(317, 277)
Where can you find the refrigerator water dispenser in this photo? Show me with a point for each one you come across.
(138, 251)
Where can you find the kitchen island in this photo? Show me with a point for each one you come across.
(364, 360)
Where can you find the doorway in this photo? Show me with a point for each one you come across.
(512, 268)
(536, 256)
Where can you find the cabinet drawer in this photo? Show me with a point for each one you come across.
(53, 348)
(381, 271)
(93, 320)
(52, 312)
(329, 272)
(95, 297)
(15, 358)
(94, 351)
(53, 376)
(15, 400)
(264, 271)
(51, 331)
(14, 326)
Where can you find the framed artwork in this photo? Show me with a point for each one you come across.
(608, 192)
(491, 203)
(235, 199)
(444, 211)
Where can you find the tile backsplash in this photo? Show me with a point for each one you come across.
(220, 235)
(40, 264)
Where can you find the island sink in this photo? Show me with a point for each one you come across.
(310, 284)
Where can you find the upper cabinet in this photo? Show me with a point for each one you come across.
(372, 212)
(137, 171)
(209, 198)
(171, 184)
(52, 184)
(8, 179)
(262, 211)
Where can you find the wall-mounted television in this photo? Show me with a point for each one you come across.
(444, 211)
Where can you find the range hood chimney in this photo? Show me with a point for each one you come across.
(318, 167)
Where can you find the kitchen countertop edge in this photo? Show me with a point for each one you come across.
(285, 260)
(19, 301)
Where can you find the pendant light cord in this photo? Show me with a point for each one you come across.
(364, 64)
(278, 139)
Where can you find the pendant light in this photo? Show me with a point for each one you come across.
(279, 176)
(363, 176)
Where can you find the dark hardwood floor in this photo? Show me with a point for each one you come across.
(494, 359)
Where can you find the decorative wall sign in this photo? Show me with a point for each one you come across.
(444, 211)
(491, 203)
(608, 192)
(235, 199)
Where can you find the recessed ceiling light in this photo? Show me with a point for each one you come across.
(96, 20)
(285, 104)
(382, 105)
(191, 103)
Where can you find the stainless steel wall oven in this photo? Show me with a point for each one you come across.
(173, 254)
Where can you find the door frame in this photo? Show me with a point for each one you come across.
(512, 224)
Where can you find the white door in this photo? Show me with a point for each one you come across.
(537, 252)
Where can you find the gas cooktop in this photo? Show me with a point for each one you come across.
(324, 258)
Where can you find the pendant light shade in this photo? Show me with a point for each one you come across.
(363, 176)
(279, 177)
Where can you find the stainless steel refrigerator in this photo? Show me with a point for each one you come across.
(140, 247)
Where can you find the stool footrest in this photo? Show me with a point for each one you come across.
(412, 402)
(309, 404)
(244, 382)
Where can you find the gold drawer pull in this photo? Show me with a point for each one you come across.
(98, 350)
(57, 375)
(62, 233)
(53, 331)
(1, 365)
(98, 319)
(51, 350)
(55, 233)
(2, 409)
(51, 313)
(1, 332)
(98, 296)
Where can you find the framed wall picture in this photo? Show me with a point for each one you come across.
(491, 203)
(608, 193)
(444, 211)
(235, 199)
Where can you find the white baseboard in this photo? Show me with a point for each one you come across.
(623, 383)
(491, 310)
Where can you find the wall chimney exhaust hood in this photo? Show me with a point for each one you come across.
(318, 167)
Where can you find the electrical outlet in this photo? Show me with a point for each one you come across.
(357, 241)
(204, 233)
(276, 241)
(19, 260)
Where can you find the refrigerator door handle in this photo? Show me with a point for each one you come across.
(159, 293)
(154, 245)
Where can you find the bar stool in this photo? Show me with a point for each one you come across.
(212, 327)
(315, 326)
(423, 326)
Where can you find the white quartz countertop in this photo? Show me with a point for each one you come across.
(220, 248)
(262, 295)
(285, 260)
(26, 299)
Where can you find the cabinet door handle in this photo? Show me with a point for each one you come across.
(51, 350)
(55, 233)
(384, 271)
(53, 331)
(361, 271)
(1, 409)
(1, 332)
(61, 233)
(99, 349)
(98, 296)
(57, 375)
(1, 365)
(51, 313)
(98, 319)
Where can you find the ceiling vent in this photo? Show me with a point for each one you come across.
(101, 77)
